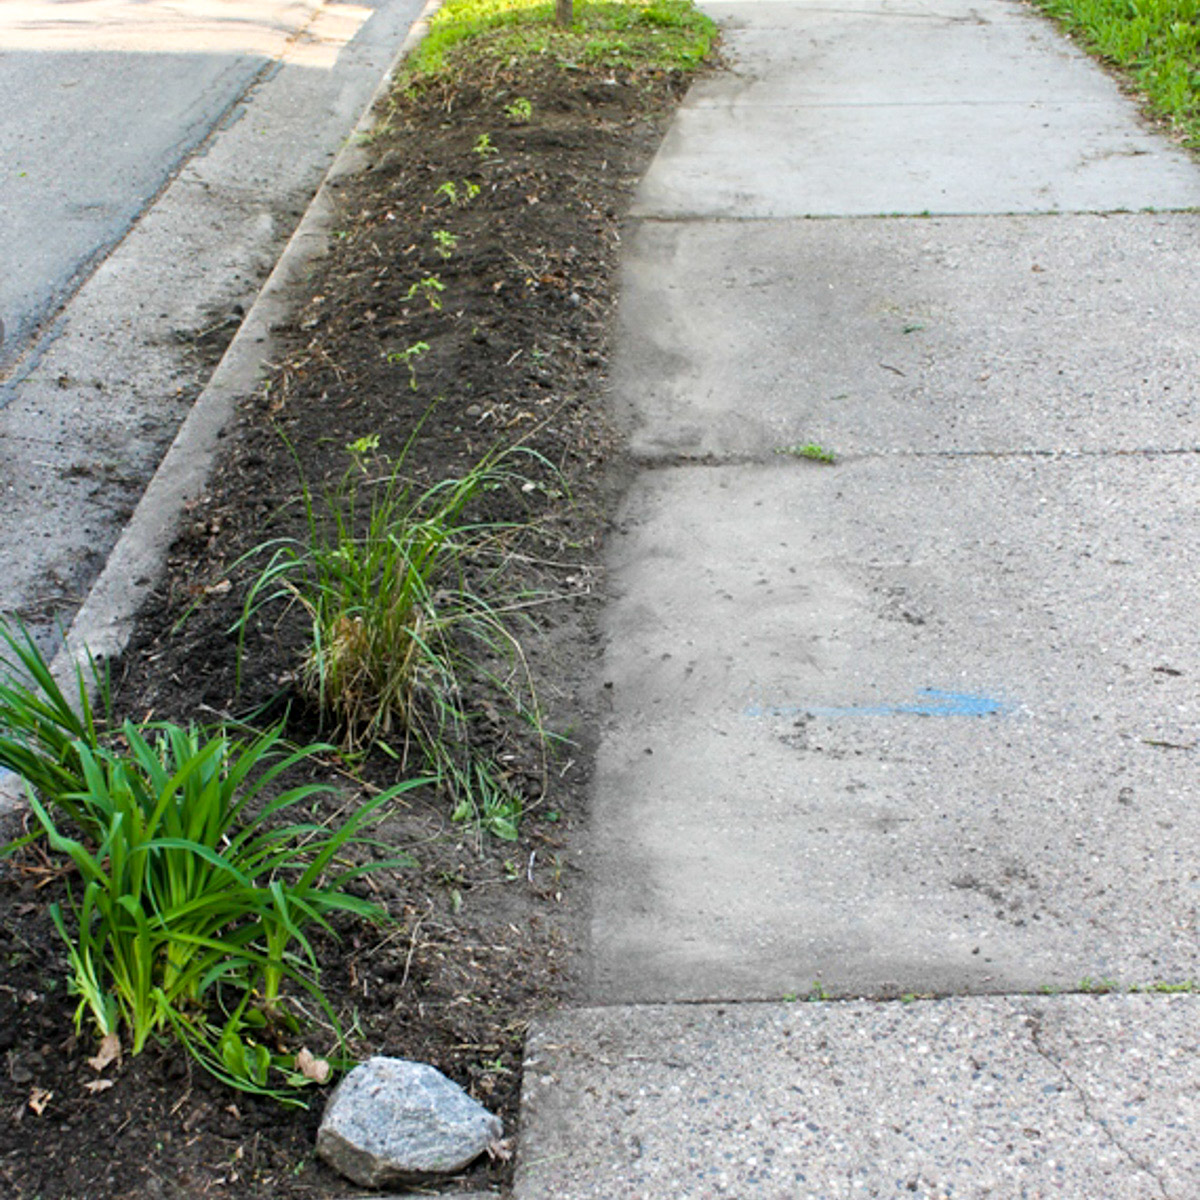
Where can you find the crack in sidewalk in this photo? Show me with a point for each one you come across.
(659, 462)
(1034, 1024)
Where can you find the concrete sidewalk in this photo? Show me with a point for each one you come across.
(923, 722)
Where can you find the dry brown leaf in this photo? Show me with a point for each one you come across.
(109, 1052)
(311, 1067)
(98, 1085)
(38, 1099)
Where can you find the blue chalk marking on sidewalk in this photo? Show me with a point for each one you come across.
(931, 702)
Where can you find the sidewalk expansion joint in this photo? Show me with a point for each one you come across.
(659, 462)
(904, 999)
(926, 214)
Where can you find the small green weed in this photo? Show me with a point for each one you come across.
(809, 450)
(483, 146)
(431, 287)
(520, 110)
(408, 357)
(445, 242)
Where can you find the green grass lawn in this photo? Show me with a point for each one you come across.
(1155, 43)
(637, 35)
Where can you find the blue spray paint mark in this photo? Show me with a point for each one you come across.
(931, 702)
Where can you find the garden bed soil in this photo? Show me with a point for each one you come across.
(517, 349)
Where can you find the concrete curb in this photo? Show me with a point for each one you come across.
(104, 622)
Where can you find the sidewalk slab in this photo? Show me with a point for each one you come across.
(904, 107)
(899, 725)
(1075, 1097)
(965, 334)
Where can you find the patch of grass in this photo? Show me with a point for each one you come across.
(1156, 44)
(634, 35)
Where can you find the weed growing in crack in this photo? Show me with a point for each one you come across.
(810, 451)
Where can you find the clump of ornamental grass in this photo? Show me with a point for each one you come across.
(411, 617)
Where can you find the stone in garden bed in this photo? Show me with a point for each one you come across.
(393, 1121)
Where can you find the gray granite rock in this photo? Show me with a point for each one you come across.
(393, 1121)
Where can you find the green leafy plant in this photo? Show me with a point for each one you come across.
(483, 146)
(449, 189)
(410, 621)
(408, 356)
(445, 242)
(198, 890)
(809, 450)
(199, 874)
(519, 110)
(42, 729)
(431, 288)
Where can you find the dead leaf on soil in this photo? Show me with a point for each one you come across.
(500, 1150)
(109, 1052)
(311, 1067)
(98, 1085)
(38, 1099)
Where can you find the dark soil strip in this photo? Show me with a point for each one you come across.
(518, 349)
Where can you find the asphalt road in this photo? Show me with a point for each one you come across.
(154, 160)
(96, 115)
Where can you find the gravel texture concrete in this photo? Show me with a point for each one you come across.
(1077, 1097)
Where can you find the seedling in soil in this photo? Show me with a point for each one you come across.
(450, 190)
(519, 110)
(483, 146)
(409, 358)
(429, 287)
(809, 450)
(445, 242)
